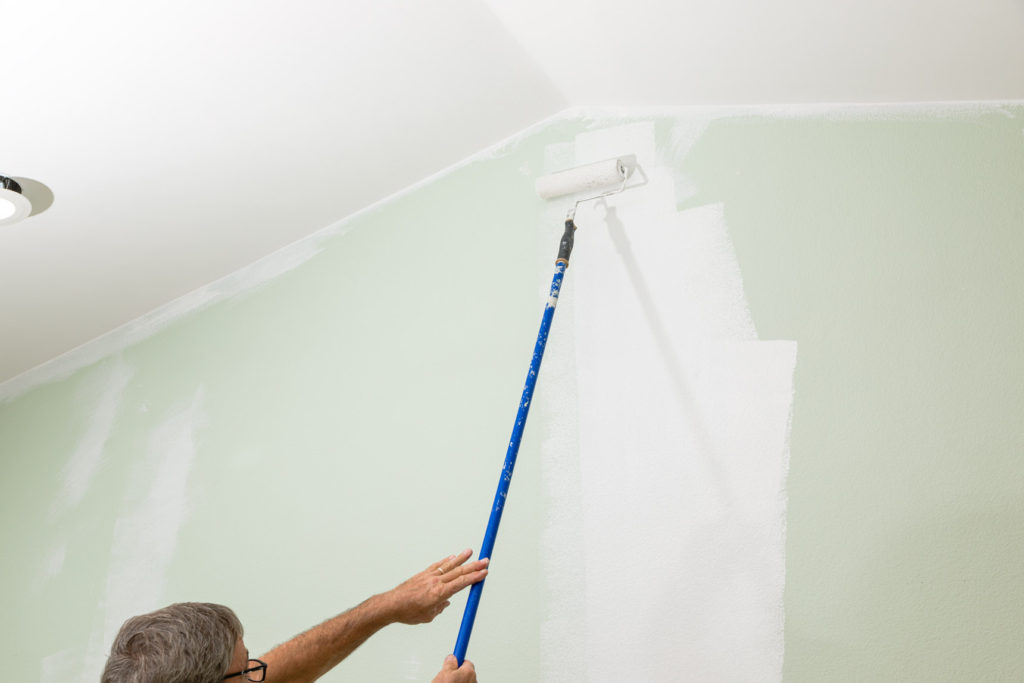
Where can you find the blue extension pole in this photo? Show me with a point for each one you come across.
(487, 546)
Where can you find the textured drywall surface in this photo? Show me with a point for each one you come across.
(292, 446)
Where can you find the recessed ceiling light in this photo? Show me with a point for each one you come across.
(13, 204)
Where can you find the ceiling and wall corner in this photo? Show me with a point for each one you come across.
(183, 141)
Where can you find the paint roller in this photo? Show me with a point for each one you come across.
(589, 178)
(611, 173)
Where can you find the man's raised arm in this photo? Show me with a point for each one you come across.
(311, 654)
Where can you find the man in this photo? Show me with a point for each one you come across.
(202, 642)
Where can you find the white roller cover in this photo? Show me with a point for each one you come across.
(592, 177)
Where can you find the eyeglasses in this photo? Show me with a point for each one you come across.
(255, 671)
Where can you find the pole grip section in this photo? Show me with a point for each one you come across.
(487, 546)
(565, 246)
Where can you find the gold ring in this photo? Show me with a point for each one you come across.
(440, 570)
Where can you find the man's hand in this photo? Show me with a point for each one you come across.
(451, 672)
(425, 595)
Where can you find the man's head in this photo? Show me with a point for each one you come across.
(189, 642)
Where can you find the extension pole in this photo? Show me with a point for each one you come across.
(487, 546)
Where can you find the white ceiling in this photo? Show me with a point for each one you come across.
(183, 140)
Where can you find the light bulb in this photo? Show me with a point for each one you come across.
(7, 208)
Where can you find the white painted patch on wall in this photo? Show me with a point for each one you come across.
(60, 666)
(145, 536)
(102, 393)
(665, 547)
(562, 649)
(55, 561)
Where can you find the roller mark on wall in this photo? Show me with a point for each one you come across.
(61, 666)
(55, 561)
(682, 137)
(156, 506)
(674, 526)
(102, 393)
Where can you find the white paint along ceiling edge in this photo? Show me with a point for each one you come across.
(185, 140)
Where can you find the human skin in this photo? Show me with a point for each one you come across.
(418, 600)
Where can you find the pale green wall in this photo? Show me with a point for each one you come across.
(355, 409)
(891, 248)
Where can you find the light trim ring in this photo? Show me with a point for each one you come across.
(10, 195)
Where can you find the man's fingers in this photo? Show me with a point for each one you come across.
(441, 564)
(454, 586)
(450, 562)
(459, 559)
(466, 569)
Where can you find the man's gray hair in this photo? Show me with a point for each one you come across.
(188, 642)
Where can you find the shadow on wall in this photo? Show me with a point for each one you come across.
(670, 362)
